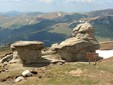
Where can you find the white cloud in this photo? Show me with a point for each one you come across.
(10, 0)
(68, 1)
(46, 1)
(87, 0)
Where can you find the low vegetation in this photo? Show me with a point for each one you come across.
(80, 73)
(70, 73)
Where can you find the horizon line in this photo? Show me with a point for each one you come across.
(55, 11)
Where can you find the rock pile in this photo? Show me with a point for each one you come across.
(25, 74)
(75, 48)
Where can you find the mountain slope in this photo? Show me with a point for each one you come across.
(106, 12)
(104, 27)
(53, 27)
(37, 31)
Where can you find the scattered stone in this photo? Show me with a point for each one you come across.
(18, 79)
(27, 73)
(6, 58)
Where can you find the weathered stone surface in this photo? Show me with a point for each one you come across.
(15, 57)
(27, 73)
(18, 79)
(6, 58)
(75, 48)
(28, 51)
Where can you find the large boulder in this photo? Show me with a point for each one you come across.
(75, 48)
(28, 51)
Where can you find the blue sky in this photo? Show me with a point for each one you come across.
(54, 5)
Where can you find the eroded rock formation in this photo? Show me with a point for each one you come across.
(75, 48)
(28, 51)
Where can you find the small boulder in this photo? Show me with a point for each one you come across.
(18, 79)
(27, 73)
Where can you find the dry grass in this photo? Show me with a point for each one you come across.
(101, 74)
(108, 45)
(71, 73)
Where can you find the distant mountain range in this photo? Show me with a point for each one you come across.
(17, 13)
(52, 27)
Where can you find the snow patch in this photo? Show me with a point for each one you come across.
(59, 14)
(105, 53)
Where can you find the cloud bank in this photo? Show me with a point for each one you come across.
(47, 1)
(10, 0)
(55, 5)
(68, 1)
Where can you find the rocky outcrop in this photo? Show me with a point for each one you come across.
(15, 57)
(75, 48)
(6, 58)
(28, 51)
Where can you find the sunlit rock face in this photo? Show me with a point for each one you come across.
(75, 48)
(28, 51)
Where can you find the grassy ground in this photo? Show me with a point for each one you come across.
(61, 28)
(79, 73)
(70, 73)
(73, 74)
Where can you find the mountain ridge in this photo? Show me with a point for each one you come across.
(50, 27)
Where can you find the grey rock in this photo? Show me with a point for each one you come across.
(76, 47)
(27, 73)
(28, 51)
(6, 58)
(18, 79)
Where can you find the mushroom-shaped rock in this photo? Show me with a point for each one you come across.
(28, 51)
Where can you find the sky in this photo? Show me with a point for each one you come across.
(55, 5)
